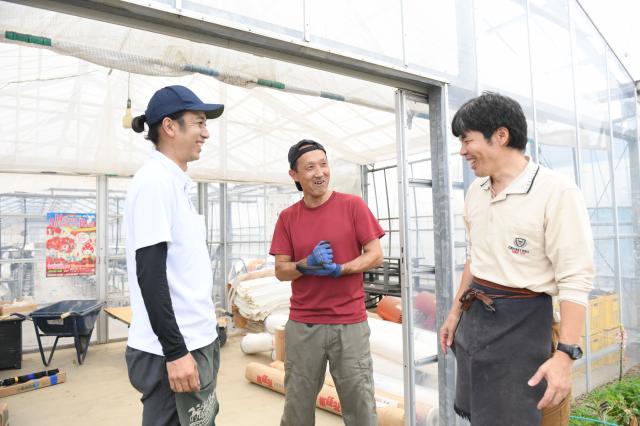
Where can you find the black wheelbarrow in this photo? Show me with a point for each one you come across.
(68, 318)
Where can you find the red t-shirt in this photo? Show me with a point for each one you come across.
(347, 223)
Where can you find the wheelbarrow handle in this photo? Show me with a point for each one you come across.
(16, 314)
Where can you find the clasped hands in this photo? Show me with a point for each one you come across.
(320, 262)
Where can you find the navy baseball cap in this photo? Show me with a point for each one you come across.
(172, 99)
(299, 149)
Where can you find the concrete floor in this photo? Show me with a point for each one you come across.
(98, 392)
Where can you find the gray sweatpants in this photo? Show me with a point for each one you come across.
(163, 407)
(308, 347)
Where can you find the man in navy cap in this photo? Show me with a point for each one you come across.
(173, 353)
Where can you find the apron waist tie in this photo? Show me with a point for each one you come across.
(469, 296)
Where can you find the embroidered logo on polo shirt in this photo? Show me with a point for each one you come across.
(518, 246)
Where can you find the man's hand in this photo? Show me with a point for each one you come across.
(557, 372)
(321, 255)
(183, 374)
(331, 270)
(448, 331)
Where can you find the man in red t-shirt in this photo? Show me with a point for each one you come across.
(323, 243)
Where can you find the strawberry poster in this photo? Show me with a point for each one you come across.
(71, 244)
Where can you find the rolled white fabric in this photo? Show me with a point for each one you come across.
(256, 342)
(257, 298)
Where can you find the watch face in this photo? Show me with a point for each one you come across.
(577, 352)
(574, 351)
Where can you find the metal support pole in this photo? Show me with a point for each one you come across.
(405, 258)
(203, 201)
(443, 242)
(534, 143)
(102, 220)
(305, 21)
(634, 172)
(364, 183)
(614, 202)
(223, 241)
(578, 174)
(403, 32)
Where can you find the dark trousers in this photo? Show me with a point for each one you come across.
(163, 407)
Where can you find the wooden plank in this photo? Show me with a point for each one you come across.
(122, 313)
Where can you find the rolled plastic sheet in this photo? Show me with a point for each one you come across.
(275, 320)
(386, 340)
(256, 342)
(387, 367)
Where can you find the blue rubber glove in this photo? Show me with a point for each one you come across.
(321, 254)
(331, 270)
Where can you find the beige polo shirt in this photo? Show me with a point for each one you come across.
(535, 234)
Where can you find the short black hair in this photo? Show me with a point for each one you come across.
(487, 113)
(137, 125)
(299, 149)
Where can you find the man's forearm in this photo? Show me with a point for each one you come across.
(362, 263)
(286, 271)
(571, 322)
(465, 282)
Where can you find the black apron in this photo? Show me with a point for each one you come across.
(497, 351)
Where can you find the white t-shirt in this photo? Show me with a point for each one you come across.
(158, 209)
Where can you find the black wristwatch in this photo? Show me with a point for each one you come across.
(574, 351)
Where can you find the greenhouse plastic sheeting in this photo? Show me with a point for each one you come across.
(66, 112)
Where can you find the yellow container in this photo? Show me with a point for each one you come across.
(612, 339)
(605, 339)
(596, 316)
(610, 311)
(604, 312)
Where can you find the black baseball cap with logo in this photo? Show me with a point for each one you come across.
(298, 150)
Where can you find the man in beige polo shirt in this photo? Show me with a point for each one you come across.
(529, 238)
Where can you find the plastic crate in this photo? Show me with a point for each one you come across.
(11, 347)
